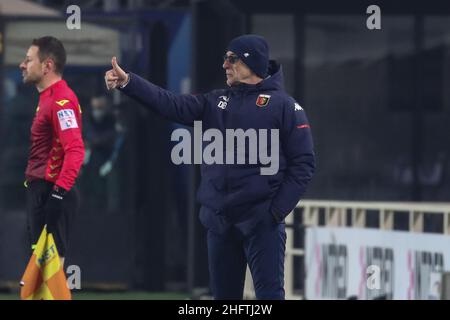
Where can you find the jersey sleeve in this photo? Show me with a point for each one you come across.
(66, 121)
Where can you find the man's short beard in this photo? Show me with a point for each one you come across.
(28, 80)
(234, 83)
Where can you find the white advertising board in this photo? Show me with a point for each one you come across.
(346, 263)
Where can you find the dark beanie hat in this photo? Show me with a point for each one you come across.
(253, 50)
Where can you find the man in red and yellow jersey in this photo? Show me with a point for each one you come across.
(57, 150)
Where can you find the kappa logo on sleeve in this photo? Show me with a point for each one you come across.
(67, 119)
(297, 107)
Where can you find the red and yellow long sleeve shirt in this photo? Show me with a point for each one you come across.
(57, 150)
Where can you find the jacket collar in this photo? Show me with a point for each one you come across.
(274, 81)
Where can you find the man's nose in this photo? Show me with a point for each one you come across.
(226, 64)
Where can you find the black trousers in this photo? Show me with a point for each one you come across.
(263, 251)
(38, 192)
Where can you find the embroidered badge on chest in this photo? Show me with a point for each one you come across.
(262, 100)
(223, 102)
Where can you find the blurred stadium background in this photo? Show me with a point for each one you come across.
(378, 102)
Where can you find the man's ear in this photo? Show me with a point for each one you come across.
(49, 65)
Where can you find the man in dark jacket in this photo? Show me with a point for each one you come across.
(243, 205)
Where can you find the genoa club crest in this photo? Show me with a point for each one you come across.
(262, 100)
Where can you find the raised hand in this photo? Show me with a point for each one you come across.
(115, 76)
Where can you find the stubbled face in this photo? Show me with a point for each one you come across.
(32, 68)
(236, 72)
